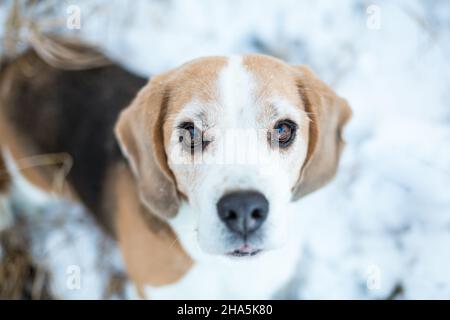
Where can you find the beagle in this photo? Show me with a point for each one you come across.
(193, 172)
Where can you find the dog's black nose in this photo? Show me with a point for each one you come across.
(244, 211)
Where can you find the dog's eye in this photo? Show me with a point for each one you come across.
(191, 136)
(284, 133)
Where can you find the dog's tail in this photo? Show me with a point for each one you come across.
(59, 50)
(66, 53)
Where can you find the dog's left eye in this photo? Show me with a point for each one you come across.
(191, 136)
(284, 133)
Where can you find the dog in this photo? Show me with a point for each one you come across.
(193, 172)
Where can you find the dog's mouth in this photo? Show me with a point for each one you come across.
(244, 251)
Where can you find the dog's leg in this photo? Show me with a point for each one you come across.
(6, 217)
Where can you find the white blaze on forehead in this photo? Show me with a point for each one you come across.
(236, 87)
(237, 114)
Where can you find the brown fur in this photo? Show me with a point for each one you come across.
(328, 113)
(139, 131)
(5, 179)
(273, 76)
(14, 142)
(12, 139)
(149, 247)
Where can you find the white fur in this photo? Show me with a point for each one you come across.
(6, 217)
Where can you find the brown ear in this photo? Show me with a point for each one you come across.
(139, 131)
(328, 114)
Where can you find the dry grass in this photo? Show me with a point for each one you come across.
(20, 277)
(23, 275)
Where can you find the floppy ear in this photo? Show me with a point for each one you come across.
(140, 135)
(328, 115)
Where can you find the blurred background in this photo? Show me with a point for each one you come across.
(380, 230)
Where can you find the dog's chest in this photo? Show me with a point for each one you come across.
(258, 278)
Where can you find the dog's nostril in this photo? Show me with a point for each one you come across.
(231, 215)
(243, 212)
(256, 214)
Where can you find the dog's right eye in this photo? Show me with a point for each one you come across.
(190, 136)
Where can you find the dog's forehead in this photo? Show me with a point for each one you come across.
(231, 84)
(273, 77)
(195, 80)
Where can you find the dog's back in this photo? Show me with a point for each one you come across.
(67, 111)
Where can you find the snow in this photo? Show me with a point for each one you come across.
(78, 255)
(384, 222)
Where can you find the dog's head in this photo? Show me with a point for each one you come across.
(237, 139)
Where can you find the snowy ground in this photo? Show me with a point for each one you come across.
(383, 225)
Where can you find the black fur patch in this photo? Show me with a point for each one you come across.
(4, 176)
(73, 112)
